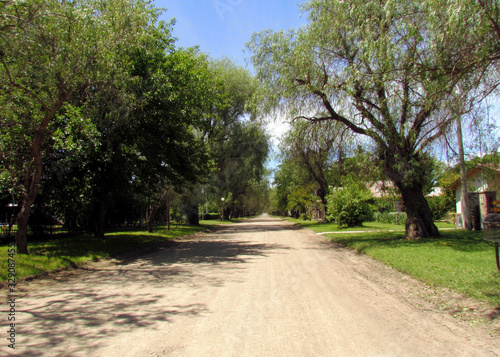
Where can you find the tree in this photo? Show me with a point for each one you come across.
(300, 199)
(237, 144)
(383, 69)
(236, 87)
(240, 162)
(175, 96)
(286, 178)
(51, 49)
(315, 148)
(482, 19)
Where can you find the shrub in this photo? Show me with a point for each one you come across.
(305, 217)
(441, 205)
(386, 203)
(391, 217)
(211, 216)
(349, 206)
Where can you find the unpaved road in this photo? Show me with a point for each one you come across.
(258, 288)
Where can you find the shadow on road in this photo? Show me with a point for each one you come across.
(91, 305)
(261, 225)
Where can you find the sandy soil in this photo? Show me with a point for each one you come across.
(258, 288)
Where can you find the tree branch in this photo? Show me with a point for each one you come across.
(494, 24)
(4, 161)
(24, 89)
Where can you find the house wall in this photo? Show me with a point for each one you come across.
(481, 181)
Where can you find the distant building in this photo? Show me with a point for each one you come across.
(381, 189)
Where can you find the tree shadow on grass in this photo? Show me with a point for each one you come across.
(460, 241)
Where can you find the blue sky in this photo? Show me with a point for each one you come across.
(222, 27)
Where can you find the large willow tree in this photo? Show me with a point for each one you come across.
(385, 70)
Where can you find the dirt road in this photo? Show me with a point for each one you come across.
(258, 288)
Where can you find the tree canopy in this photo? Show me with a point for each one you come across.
(384, 69)
(103, 112)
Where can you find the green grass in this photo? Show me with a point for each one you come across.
(458, 260)
(46, 256)
(320, 227)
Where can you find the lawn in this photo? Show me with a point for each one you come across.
(52, 254)
(459, 260)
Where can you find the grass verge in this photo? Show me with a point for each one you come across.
(57, 253)
(458, 260)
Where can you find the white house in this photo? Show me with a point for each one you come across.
(483, 186)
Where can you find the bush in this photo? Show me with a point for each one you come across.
(305, 217)
(391, 217)
(349, 206)
(441, 205)
(386, 203)
(211, 216)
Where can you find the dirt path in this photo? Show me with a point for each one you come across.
(258, 288)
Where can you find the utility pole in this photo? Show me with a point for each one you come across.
(463, 175)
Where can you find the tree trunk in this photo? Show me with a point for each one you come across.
(153, 210)
(22, 229)
(150, 223)
(419, 223)
(168, 208)
(101, 210)
(151, 214)
(31, 185)
(192, 215)
(33, 174)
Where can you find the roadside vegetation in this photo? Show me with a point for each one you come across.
(107, 123)
(459, 259)
(396, 78)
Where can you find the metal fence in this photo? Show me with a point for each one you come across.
(6, 231)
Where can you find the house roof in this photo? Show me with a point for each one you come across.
(436, 192)
(385, 188)
(381, 188)
(472, 172)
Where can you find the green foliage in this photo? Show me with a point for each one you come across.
(240, 159)
(386, 70)
(123, 117)
(300, 199)
(386, 203)
(52, 53)
(441, 205)
(288, 176)
(237, 145)
(314, 148)
(398, 218)
(350, 205)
